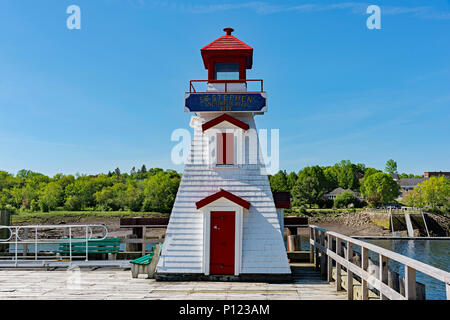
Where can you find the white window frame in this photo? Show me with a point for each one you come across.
(222, 205)
(239, 145)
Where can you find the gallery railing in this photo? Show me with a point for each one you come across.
(37, 235)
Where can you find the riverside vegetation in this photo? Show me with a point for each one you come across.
(154, 190)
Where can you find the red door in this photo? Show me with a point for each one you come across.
(221, 255)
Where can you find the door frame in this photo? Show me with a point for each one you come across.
(238, 210)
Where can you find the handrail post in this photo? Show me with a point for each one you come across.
(447, 289)
(322, 255)
(316, 239)
(70, 243)
(311, 247)
(383, 273)
(364, 265)
(330, 260)
(349, 273)
(87, 243)
(16, 235)
(410, 283)
(338, 265)
(35, 244)
(144, 240)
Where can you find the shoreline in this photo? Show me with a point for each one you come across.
(350, 224)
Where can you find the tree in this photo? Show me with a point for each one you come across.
(391, 167)
(347, 178)
(51, 196)
(331, 176)
(143, 169)
(414, 199)
(117, 172)
(344, 199)
(278, 182)
(435, 191)
(111, 198)
(316, 172)
(134, 196)
(379, 188)
(160, 191)
(307, 190)
(360, 167)
(291, 180)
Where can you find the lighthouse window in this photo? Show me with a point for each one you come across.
(225, 148)
(226, 70)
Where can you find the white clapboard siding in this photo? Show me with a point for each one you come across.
(263, 250)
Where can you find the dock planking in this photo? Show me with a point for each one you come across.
(106, 284)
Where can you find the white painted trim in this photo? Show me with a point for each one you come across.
(238, 142)
(207, 239)
(224, 205)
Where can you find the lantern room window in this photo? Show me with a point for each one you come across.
(226, 71)
(225, 148)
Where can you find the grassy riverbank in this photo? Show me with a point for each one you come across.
(296, 211)
(54, 217)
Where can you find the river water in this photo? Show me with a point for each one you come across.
(433, 252)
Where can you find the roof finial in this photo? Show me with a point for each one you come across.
(228, 31)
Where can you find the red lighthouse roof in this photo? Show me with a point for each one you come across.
(227, 45)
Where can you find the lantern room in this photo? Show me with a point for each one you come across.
(227, 87)
(227, 58)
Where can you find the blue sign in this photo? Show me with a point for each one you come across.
(230, 102)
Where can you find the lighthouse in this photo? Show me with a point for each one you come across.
(224, 223)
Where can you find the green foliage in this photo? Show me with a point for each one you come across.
(51, 197)
(344, 199)
(391, 166)
(414, 199)
(434, 191)
(317, 173)
(29, 191)
(111, 198)
(307, 190)
(160, 191)
(370, 171)
(291, 180)
(331, 175)
(379, 188)
(278, 182)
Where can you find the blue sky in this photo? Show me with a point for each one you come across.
(110, 95)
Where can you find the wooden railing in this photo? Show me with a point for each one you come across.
(326, 248)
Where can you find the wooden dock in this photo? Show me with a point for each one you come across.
(106, 284)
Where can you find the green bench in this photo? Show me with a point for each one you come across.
(78, 245)
(146, 264)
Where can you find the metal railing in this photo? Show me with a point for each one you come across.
(32, 237)
(226, 82)
(323, 242)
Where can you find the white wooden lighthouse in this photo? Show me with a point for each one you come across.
(224, 222)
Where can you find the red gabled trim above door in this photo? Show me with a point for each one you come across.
(223, 194)
(224, 117)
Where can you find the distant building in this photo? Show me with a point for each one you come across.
(408, 184)
(436, 174)
(332, 194)
(395, 176)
